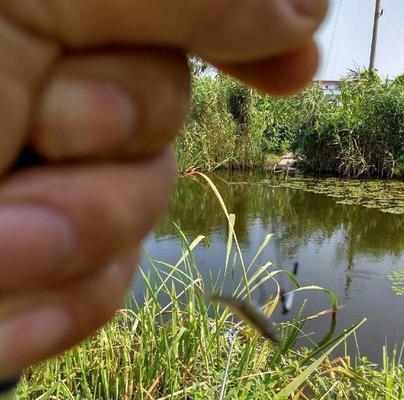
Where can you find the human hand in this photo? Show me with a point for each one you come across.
(99, 90)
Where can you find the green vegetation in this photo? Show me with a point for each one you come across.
(356, 133)
(386, 196)
(397, 277)
(137, 357)
(249, 196)
(219, 134)
(176, 346)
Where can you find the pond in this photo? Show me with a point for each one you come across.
(348, 248)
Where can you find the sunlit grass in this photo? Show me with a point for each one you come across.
(176, 345)
(357, 133)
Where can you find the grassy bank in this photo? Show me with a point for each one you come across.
(358, 132)
(176, 345)
(139, 358)
(218, 133)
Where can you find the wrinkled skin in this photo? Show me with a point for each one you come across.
(100, 89)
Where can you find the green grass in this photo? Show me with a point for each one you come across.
(175, 345)
(179, 350)
(358, 133)
(218, 133)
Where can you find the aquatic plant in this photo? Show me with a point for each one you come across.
(397, 277)
(359, 132)
(386, 196)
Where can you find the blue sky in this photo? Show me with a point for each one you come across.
(345, 38)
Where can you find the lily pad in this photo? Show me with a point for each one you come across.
(397, 277)
(387, 196)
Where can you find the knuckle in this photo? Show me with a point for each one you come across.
(170, 90)
(94, 301)
(156, 83)
(163, 94)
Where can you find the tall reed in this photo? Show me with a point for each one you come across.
(357, 132)
(175, 345)
(218, 133)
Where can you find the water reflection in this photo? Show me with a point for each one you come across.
(349, 249)
(295, 216)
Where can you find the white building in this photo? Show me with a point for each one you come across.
(330, 87)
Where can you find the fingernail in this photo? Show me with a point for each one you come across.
(83, 118)
(30, 337)
(34, 242)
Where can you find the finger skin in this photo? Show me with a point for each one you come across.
(85, 306)
(231, 36)
(219, 30)
(251, 30)
(89, 123)
(110, 206)
(23, 62)
(280, 76)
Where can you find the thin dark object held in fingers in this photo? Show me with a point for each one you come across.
(27, 158)
(7, 388)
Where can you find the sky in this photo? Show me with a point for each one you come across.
(346, 35)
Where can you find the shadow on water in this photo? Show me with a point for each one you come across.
(347, 248)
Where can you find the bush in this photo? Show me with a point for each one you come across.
(357, 132)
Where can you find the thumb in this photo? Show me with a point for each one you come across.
(217, 30)
(282, 75)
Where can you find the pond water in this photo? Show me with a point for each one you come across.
(347, 248)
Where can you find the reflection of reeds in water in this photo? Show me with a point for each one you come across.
(294, 215)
